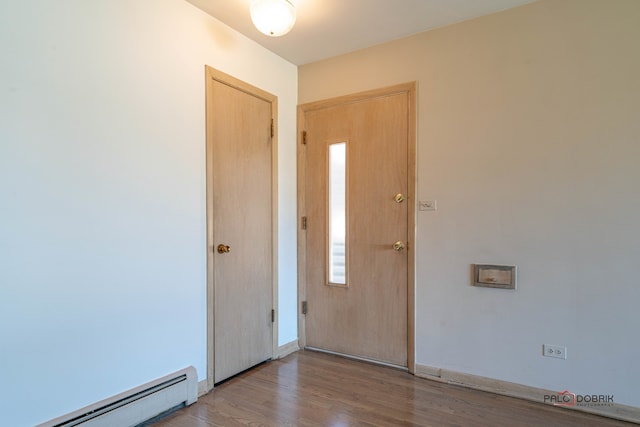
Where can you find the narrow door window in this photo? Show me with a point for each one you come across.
(337, 213)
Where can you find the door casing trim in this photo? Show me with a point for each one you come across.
(211, 75)
(410, 89)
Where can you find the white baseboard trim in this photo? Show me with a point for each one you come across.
(287, 349)
(203, 388)
(505, 388)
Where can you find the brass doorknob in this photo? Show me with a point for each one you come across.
(223, 249)
(399, 246)
(399, 198)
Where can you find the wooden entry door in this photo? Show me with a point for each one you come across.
(240, 149)
(357, 208)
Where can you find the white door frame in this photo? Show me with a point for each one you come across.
(211, 75)
(410, 90)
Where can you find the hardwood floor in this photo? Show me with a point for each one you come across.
(315, 389)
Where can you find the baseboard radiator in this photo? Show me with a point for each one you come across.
(137, 405)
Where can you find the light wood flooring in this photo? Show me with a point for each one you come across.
(315, 389)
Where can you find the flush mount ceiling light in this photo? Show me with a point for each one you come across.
(273, 17)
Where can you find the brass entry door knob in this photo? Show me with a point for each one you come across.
(223, 249)
(399, 246)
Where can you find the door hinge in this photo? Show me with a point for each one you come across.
(273, 315)
(273, 131)
(304, 307)
(304, 222)
(304, 137)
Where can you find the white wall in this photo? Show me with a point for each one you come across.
(102, 195)
(529, 139)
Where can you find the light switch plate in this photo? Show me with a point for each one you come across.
(427, 205)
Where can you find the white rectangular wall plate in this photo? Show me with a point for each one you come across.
(427, 205)
(557, 351)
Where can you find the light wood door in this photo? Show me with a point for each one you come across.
(239, 134)
(367, 316)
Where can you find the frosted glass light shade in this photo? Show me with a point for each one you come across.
(273, 17)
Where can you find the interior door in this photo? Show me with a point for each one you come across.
(357, 207)
(239, 135)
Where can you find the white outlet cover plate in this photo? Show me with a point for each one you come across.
(557, 351)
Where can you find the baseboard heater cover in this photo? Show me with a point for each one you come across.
(137, 405)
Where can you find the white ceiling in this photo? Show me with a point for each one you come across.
(326, 28)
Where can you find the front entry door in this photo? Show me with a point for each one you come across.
(239, 187)
(357, 204)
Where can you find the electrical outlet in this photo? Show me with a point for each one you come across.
(557, 351)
